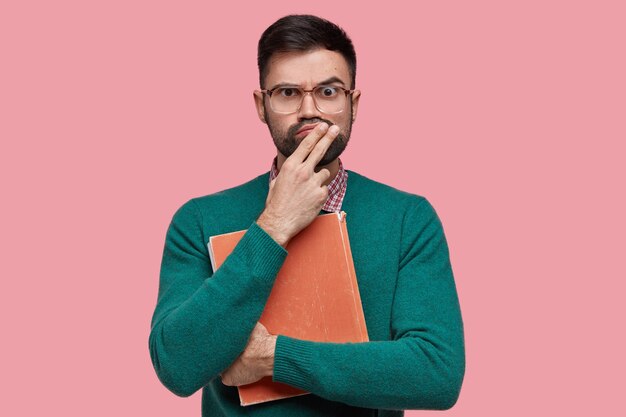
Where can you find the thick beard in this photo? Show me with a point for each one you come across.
(287, 143)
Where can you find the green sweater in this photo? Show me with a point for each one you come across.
(415, 357)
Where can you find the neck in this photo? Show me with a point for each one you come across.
(333, 167)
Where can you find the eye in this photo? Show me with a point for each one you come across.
(327, 91)
(288, 92)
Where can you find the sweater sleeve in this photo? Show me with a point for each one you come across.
(202, 321)
(423, 366)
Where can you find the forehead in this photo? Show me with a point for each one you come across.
(306, 68)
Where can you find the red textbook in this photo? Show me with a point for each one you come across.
(315, 296)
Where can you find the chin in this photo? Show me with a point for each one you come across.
(325, 161)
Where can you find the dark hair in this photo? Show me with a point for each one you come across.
(304, 33)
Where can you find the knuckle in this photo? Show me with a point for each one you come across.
(301, 175)
(288, 165)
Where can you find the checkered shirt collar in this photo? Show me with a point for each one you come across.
(336, 188)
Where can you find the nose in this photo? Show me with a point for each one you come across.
(308, 110)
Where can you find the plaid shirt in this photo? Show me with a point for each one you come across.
(336, 188)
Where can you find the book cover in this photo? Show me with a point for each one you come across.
(315, 296)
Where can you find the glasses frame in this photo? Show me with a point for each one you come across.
(305, 92)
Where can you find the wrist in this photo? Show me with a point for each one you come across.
(271, 341)
(270, 227)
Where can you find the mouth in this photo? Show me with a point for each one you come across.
(306, 128)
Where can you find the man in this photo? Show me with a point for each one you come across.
(205, 331)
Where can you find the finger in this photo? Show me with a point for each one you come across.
(322, 176)
(322, 146)
(308, 143)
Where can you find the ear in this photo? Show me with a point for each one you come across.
(258, 102)
(356, 95)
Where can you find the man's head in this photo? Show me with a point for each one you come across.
(297, 54)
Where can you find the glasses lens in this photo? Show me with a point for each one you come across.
(286, 99)
(329, 99)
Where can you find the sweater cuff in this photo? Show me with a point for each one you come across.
(258, 247)
(292, 362)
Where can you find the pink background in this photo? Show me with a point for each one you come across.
(509, 118)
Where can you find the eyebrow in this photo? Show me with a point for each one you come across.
(325, 82)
